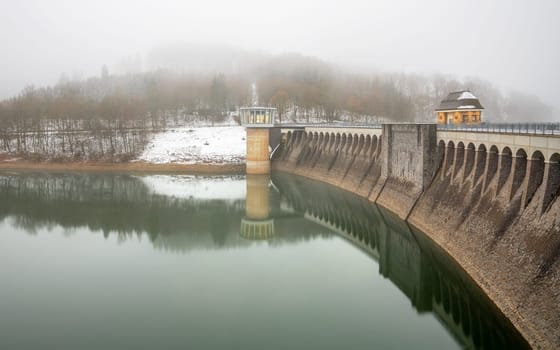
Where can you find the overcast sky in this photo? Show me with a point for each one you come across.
(514, 44)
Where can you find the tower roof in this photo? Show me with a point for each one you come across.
(459, 100)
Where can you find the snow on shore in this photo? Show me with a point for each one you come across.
(186, 145)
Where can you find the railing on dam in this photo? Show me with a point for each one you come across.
(508, 128)
(330, 125)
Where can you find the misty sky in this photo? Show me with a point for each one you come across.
(514, 44)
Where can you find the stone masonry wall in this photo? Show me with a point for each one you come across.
(408, 165)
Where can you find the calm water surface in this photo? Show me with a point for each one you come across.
(181, 262)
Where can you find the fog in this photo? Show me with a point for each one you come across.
(513, 44)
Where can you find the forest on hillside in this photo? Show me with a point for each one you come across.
(118, 110)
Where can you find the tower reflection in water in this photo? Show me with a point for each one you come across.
(257, 224)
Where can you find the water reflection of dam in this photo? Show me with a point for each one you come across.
(431, 281)
(290, 209)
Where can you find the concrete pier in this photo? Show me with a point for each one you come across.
(258, 158)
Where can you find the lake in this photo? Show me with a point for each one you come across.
(114, 261)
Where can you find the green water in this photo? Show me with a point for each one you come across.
(179, 262)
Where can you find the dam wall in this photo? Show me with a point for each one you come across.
(492, 206)
(427, 276)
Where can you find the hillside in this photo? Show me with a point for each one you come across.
(110, 116)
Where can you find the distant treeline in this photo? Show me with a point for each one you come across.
(118, 110)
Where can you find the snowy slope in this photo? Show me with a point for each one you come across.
(225, 144)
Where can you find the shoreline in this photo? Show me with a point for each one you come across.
(132, 167)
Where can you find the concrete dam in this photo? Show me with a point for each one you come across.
(490, 199)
